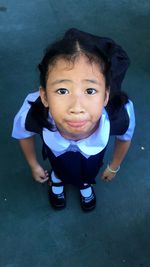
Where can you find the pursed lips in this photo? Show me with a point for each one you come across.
(77, 124)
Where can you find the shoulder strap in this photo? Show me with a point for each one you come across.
(37, 116)
(119, 121)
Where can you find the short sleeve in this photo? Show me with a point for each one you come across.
(130, 131)
(19, 131)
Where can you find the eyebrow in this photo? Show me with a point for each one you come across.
(92, 81)
(66, 80)
(60, 81)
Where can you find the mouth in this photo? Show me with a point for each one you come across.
(76, 124)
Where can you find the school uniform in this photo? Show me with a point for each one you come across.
(74, 162)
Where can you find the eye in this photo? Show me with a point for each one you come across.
(91, 91)
(62, 91)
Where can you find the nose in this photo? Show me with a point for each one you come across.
(76, 105)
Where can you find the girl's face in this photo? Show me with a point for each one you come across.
(75, 95)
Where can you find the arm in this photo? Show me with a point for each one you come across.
(28, 148)
(120, 151)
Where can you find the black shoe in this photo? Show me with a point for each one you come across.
(58, 201)
(88, 203)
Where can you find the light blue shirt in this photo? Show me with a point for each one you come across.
(91, 145)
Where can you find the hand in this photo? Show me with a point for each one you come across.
(39, 174)
(107, 175)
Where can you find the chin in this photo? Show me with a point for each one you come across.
(77, 135)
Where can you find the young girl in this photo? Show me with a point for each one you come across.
(78, 106)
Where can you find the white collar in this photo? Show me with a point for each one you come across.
(91, 145)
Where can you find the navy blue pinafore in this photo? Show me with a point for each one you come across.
(73, 167)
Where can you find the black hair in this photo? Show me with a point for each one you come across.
(69, 48)
(112, 59)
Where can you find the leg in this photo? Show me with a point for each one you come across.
(57, 195)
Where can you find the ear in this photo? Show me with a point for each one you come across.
(106, 97)
(43, 97)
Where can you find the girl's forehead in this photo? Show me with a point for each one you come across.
(77, 63)
(76, 71)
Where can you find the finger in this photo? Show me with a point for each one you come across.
(104, 178)
(43, 180)
(46, 173)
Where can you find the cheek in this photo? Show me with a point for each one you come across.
(96, 115)
(95, 112)
(56, 110)
(97, 107)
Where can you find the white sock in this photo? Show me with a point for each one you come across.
(55, 189)
(86, 192)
